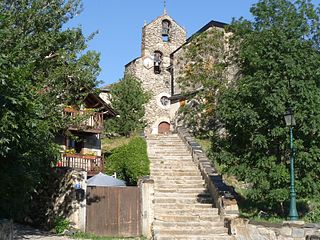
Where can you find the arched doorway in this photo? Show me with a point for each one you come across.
(164, 128)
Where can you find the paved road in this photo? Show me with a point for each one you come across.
(22, 232)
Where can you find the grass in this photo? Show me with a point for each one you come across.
(109, 144)
(82, 235)
(204, 143)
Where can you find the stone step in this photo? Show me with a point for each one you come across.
(196, 237)
(170, 159)
(166, 142)
(173, 166)
(173, 177)
(169, 144)
(182, 195)
(214, 231)
(181, 190)
(175, 173)
(173, 161)
(187, 225)
(186, 211)
(173, 152)
(189, 218)
(159, 166)
(189, 200)
(184, 206)
(180, 181)
(175, 186)
(178, 148)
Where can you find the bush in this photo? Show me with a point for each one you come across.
(129, 161)
(61, 224)
(313, 214)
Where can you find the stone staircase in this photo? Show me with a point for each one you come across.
(182, 206)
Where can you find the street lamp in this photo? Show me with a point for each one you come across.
(291, 122)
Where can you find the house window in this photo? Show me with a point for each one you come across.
(157, 62)
(165, 30)
(73, 144)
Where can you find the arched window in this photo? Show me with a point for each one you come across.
(157, 62)
(165, 30)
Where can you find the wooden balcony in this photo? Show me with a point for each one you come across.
(91, 164)
(92, 121)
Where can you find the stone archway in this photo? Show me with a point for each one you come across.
(164, 128)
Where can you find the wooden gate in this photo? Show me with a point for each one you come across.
(113, 211)
(163, 128)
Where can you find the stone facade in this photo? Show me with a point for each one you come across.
(157, 81)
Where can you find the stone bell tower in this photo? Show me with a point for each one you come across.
(159, 38)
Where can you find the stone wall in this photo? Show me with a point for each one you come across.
(66, 200)
(147, 197)
(243, 229)
(158, 85)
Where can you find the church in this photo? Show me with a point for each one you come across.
(157, 68)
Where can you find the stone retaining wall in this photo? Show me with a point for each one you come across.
(243, 229)
(6, 229)
(223, 195)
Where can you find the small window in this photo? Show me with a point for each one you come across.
(165, 30)
(165, 101)
(157, 62)
(165, 38)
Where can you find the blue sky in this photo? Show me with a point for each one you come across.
(120, 22)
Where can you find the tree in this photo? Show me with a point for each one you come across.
(128, 99)
(41, 68)
(201, 78)
(278, 58)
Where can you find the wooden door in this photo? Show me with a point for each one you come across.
(164, 128)
(114, 211)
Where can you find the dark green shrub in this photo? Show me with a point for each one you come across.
(129, 161)
(61, 224)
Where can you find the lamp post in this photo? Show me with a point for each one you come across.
(291, 122)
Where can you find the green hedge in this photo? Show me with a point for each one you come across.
(129, 161)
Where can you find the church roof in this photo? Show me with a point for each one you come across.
(203, 29)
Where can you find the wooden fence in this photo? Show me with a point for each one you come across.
(114, 211)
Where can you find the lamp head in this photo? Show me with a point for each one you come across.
(289, 117)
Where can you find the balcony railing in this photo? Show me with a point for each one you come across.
(92, 121)
(91, 164)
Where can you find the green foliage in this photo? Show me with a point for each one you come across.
(128, 99)
(41, 68)
(277, 56)
(201, 75)
(129, 161)
(61, 224)
(313, 214)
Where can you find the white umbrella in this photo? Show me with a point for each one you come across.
(104, 180)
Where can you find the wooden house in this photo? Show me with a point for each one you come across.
(81, 148)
